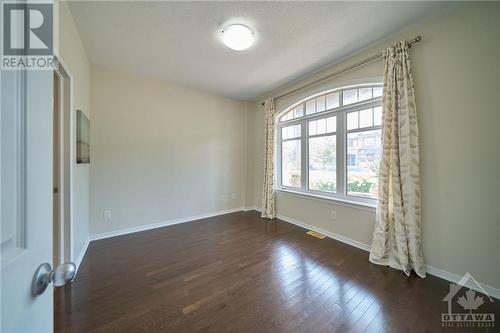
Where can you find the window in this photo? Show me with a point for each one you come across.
(322, 154)
(363, 152)
(291, 156)
(292, 114)
(330, 144)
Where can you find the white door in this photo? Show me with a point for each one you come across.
(26, 198)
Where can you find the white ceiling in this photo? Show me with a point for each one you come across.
(179, 42)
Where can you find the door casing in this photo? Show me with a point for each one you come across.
(63, 227)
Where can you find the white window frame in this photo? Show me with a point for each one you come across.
(341, 139)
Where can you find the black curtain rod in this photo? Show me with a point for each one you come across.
(342, 71)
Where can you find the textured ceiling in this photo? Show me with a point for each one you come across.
(179, 42)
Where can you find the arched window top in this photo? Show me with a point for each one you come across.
(329, 144)
(331, 100)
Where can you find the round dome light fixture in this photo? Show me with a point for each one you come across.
(237, 36)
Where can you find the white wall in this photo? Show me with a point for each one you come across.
(457, 80)
(69, 49)
(161, 152)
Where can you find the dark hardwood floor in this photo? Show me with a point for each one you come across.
(240, 273)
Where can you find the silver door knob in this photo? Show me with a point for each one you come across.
(44, 275)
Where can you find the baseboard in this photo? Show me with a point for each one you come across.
(131, 230)
(327, 233)
(491, 291)
(246, 209)
(455, 278)
(120, 232)
(78, 260)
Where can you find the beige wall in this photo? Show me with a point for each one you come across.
(69, 49)
(161, 151)
(457, 85)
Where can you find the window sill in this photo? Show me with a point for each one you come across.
(341, 202)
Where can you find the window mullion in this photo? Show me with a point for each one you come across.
(341, 154)
(304, 156)
(278, 157)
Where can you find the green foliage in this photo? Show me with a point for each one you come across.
(324, 186)
(359, 186)
(362, 186)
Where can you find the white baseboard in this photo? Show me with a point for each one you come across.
(455, 278)
(120, 232)
(330, 234)
(491, 291)
(131, 230)
(246, 209)
(79, 259)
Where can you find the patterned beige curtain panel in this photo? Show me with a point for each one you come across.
(397, 236)
(268, 195)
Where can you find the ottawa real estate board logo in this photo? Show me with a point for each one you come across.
(27, 35)
(465, 305)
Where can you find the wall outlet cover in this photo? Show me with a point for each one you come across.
(107, 214)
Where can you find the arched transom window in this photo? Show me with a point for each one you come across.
(329, 144)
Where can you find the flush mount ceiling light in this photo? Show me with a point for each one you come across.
(237, 36)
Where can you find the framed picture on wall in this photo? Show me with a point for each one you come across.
(82, 138)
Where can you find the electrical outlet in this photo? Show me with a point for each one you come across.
(233, 196)
(222, 197)
(106, 215)
(333, 215)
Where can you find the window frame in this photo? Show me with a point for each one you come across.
(341, 133)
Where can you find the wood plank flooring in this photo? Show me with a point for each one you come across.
(240, 273)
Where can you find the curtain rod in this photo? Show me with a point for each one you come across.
(342, 71)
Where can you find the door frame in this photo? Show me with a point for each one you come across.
(66, 160)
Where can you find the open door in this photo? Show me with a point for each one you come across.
(26, 132)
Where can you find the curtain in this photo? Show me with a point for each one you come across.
(397, 237)
(268, 195)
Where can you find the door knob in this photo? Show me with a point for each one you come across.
(44, 275)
